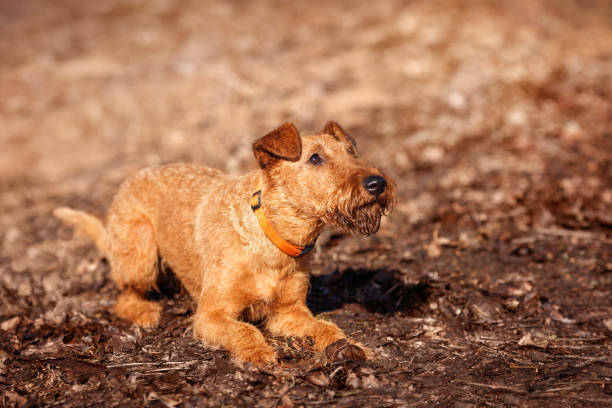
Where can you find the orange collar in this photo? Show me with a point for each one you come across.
(286, 247)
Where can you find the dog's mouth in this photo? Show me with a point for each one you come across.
(365, 218)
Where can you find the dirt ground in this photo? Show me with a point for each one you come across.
(489, 285)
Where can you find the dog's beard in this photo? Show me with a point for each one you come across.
(363, 219)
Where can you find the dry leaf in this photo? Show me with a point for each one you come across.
(343, 350)
(533, 340)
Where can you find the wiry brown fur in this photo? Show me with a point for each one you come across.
(200, 222)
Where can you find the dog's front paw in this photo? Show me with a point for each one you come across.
(326, 333)
(260, 356)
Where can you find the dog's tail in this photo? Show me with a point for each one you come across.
(85, 224)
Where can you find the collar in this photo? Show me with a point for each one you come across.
(286, 247)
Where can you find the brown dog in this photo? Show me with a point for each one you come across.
(239, 244)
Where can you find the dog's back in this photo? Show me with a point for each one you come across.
(173, 200)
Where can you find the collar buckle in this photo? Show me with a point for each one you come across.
(256, 201)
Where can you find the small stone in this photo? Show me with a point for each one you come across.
(366, 370)
(55, 316)
(512, 304)
(353, 381)
(318, 378)
(522, 289)
(370, 382)
(10, 324)
(52, 283)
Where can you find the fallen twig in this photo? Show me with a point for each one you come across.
(559, 232)
(491, 386)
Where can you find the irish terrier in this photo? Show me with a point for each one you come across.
(239, 244)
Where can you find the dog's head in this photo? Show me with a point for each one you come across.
(322, 177)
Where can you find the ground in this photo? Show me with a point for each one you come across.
(489, 285)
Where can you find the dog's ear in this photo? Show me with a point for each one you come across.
(334, 129)
(282, 143)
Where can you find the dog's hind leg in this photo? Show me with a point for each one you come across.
(133, 257)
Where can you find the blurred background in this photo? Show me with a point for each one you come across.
(110, 86)
(494, 117)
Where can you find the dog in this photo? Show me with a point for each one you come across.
(239, 244)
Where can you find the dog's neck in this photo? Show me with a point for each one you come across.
(290, 224)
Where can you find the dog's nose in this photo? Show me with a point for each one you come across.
(375, 184)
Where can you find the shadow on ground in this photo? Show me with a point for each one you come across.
(377, 290)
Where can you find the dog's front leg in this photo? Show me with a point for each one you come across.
(245, 343)
(289, 315)
(296, 320)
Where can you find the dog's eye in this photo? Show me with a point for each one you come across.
(315, 159)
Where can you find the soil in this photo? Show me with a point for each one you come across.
(489, 285)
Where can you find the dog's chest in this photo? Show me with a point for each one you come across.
(270, 283)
